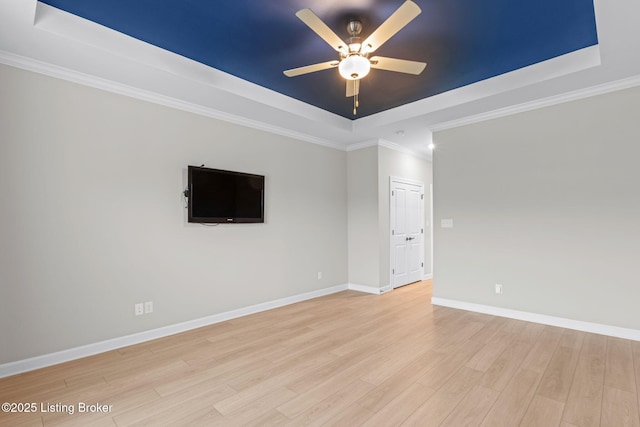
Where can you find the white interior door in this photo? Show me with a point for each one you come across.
(407, 231)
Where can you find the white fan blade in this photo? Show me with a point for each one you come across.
(398, 65)
(353, 88)
(392, 25)
(311, 68)
(311, 19)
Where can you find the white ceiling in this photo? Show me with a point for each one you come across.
(37, 37)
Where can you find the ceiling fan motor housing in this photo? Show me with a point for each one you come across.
(354, 65)
(354, 28)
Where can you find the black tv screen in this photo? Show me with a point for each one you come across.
(219, 196)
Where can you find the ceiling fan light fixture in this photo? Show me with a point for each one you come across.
(354, 67)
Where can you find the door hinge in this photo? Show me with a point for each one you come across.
(393, 193)
(393, 232)
(422, 264)
(393, 271)
(422, 230)
(422, 196)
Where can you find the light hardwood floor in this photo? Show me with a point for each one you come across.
(349, 359)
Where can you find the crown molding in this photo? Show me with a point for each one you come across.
(393, 146)
(127, 50)
(387, 144)
(563, 65)
(360, 145)
(601, 89)
(73, 76)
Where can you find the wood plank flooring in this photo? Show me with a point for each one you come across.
(347, 359)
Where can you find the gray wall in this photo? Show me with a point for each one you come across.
(92, 219)
(368, 174)
(364, 241)
(546, 203)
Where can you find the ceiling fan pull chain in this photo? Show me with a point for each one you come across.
(355, 99)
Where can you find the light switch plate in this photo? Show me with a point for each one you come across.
(446, 223)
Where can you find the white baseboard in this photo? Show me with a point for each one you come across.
(13, 368)
(364, 288)
(427, 276)
(596, 328)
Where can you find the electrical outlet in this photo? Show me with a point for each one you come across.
(319, 275)
(148, 307)
(138, 309)
(498, 288)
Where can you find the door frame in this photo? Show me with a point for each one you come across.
(431, 227)
(408, 181)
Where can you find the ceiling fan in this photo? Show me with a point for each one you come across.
(354, 62)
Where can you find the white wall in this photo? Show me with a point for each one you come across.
(92, 219)
(547, 203)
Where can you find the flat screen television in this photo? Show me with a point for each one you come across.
(220, 196)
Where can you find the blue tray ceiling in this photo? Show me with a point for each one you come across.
(463, 41)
